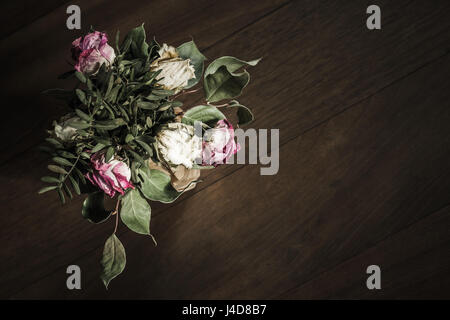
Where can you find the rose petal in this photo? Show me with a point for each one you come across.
(107, 52)
(113, 176)
(123, 175)
(102, 184)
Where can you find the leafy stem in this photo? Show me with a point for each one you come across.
(218, 106)
(116, 212)
(71, 169)
(185, 92)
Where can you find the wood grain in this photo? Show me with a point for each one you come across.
(338, 193)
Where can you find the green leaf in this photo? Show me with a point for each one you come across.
(134, 165)
(75, 185)
(110, 109)
(176, 103)
(146, 105)
(149, 122)
(148, 139)
(245, 116)
(94, 208)
(110, 86)
(99, 146)
(67, 74)
(81, 95)
(113, 259)
(164, 107)
(109, 154)
(45, 189)
(89, 84)
(54, 142)
(136, 212)
(163, 92)
(129, 138)
(220, 80)
(66, 154)
(156, 186)
(103, 140)
(152, 77)
(145, 146)
(189, 50)
(81, 77)
(109, 124)
(62, 161)
(67, 191)
(126, 45)
(113, 96)
(231, 63)
(136, 156)
(225, 85)
(83, 115)
(136, 38)
(124, 113)
(78, 124)
(154, 97)
(49, 179)
(82, 133)
(56, 169)
(61, 196)
(102, 78)
(80, 175)
(206, 114)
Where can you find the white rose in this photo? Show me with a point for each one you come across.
(64, 130)
(178, 145)
(175, 72)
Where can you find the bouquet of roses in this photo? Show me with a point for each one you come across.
(126, 135)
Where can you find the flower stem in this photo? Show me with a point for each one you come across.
(218, 106)
(116, 212)
(71, 169)
(185, 92)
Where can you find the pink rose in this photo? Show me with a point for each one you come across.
(91, 51)
(109, 176)
(219, 145)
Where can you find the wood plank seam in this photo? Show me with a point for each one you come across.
(248, 25)
(237, 168)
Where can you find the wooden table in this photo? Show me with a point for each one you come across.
(364, 119)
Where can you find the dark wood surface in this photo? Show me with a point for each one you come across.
(364, 157)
